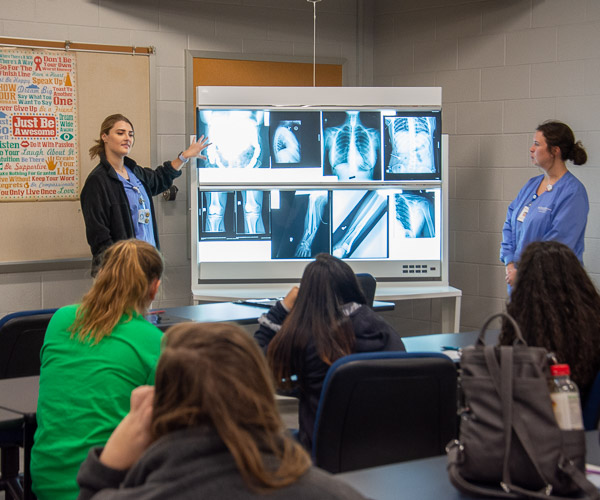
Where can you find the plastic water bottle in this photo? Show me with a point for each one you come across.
(565, 399)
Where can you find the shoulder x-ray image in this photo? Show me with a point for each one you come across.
(410, 144)
(295, 139)
(414, 213)
(352, 145)
(238, 138)
(361, 229)
(300, 227)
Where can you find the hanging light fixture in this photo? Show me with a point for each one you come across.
(314, 2)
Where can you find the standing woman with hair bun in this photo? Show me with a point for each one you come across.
(94, 354)
(116, 199)
(551, 206)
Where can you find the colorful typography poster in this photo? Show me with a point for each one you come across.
(38, 125)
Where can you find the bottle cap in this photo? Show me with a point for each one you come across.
(560, 370)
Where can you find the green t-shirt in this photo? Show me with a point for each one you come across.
(84, 394)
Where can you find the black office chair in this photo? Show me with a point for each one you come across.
(384, 407)
(368, 284)
(21, 338)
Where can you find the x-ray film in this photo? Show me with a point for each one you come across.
(252, 214)
(301, 226)
(295, 139)
(352, 145)
(411, 146)
(217, 214)
(414, 214)
(239, 138)
(361, 224)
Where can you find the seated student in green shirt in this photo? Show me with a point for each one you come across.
(94, 355)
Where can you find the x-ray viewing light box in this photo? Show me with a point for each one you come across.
(356, 172)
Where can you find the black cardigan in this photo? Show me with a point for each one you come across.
(106, 209)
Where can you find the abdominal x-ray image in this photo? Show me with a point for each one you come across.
(413, 214)
(229, 215)
(295, 139)
(300, 226)
(360, 224)
(352, 145)
(239, 138)
(409, 146)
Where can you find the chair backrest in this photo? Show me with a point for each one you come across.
(21, 339)
(591, 406)
(368, 284)
(384, 407)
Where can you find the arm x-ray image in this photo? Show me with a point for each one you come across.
(352, 145)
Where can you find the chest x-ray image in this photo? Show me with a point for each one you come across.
(352, 145)
(360, 224)
(414, 214)
(239, 138)
(295, 139)
(234, 214)
(409, 145)
(300, 226)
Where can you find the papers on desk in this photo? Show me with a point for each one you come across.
(592, 472)
(453, 354)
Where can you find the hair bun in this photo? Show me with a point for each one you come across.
(577, 154)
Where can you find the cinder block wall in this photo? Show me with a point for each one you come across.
(282, 28)
(504, 67)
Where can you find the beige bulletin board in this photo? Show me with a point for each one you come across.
(54, 230)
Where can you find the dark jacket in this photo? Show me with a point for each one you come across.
(105, 207)
(190, 464)
(372, 332)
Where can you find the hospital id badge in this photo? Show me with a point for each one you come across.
(144, 216)
(523, 213)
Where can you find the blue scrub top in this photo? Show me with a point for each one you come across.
(138, 200)
(558, 215)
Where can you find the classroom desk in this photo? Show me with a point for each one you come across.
(19, 396)
(241, 313)
(435, 342)
(426, 479)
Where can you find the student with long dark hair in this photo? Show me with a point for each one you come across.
(557, 306)
(94, 354)
(209, 429)
(323, 320)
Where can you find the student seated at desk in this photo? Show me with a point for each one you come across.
(210, 429)
(557, 306)
(94, 355)
(314, 325)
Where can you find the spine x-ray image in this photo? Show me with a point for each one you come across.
(360, 222)
(295, 139)
(352, 144)
(414, 212)
(300, 227)
(409, 145)
(227, 215)
(239, 138)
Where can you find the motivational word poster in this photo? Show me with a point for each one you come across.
(38, 125)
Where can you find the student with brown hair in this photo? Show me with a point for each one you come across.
(94, 354)
(209, 429)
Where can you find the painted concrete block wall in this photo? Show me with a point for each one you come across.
(261, 27)
(504, 67)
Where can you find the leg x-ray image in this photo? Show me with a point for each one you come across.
(295, 139)
(409, 145)
(217, 217)
(352, 145)
(414, 214)
(252, 212)
(300, 227)
(239, 138)
(361, 224)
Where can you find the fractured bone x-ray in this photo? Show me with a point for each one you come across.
(414, 212)
(412, 144)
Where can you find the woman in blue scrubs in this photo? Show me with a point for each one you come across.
(551, 206)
